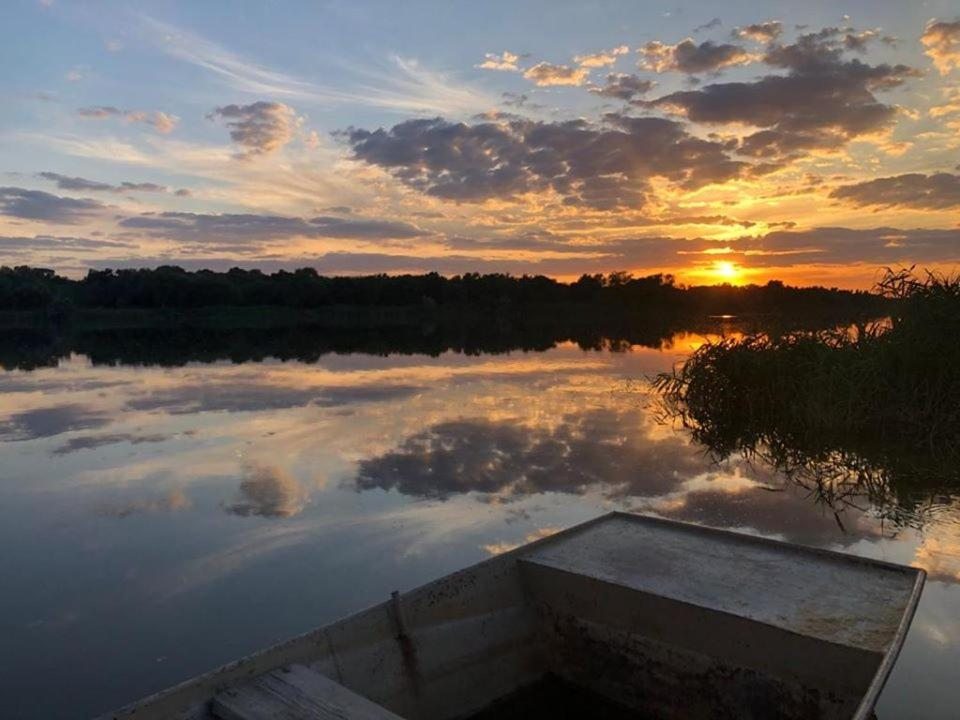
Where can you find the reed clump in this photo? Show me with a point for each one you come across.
(882, 397)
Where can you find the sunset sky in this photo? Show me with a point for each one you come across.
(722, 142)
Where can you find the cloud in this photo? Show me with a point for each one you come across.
(65, 182)
(623, 87)
(259, 128)
(509, 461)
(247, 226)
(689, 57)
(173, 501)
(90, 442)
(504, 61)
(160, 121)
(99, 112)
(268, 491)
(364, 229)
(602, 166)
(938, 191)
(839, 246)
(763, 32)
(50, 421)
(43, 206)
(517, 100)
(252, 396)
(822, 103)
(547, 74)
(498, 548)
(784, 512)
(942, 42)
(57, 242)
(709, 25)
(826, 246)
(601, 59)
(404, 85)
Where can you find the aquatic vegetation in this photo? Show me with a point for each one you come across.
(871, 411)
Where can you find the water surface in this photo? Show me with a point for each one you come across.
(161, 515)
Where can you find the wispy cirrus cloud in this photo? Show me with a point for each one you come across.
(162, 122)
(213, 228)
(59, 243)
(66, 182)
(400, 85)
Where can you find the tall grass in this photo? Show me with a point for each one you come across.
(871, 410)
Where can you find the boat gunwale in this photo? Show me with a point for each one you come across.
(872, 694)
(130, 709)
(210, 678)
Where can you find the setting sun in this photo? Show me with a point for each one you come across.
(726, 271)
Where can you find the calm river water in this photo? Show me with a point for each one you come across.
(157, 520)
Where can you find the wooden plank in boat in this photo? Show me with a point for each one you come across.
(295, 693)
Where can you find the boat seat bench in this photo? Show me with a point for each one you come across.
(295, 692)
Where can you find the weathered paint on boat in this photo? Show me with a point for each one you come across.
(672, 620)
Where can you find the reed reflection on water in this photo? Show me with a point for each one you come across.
(170, 500)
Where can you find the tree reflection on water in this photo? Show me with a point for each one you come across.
(863, 419)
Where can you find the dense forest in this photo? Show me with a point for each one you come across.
(170, 287)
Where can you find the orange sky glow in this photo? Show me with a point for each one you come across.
(813, 149)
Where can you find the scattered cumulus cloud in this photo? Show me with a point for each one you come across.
(260, 128)
(504, 61)
(623, 86)
(547, 74)
(942, 42)
(268, 491)
(508, 462)
(763, 32)
(604, 58)
(603, 166)
(822, 103)
(691, 57)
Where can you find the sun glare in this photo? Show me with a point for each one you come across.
(726, 271)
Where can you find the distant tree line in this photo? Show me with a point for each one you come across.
(171, 287)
